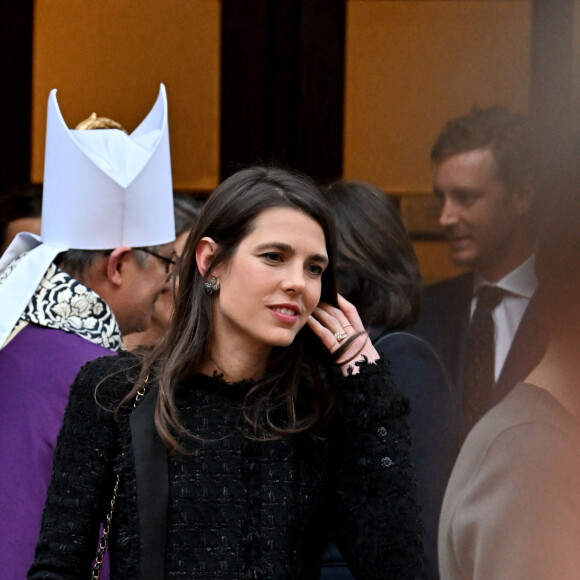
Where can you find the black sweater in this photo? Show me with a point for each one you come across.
(237, 508)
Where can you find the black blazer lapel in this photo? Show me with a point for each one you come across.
(444, 321)
(151, 470)
(460, 328)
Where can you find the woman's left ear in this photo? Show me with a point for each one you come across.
(204, 254)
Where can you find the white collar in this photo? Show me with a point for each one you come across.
(521, 281)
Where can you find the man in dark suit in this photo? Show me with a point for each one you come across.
(484, 181)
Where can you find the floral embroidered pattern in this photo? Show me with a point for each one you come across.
(64, 303)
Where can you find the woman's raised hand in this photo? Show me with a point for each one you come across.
(334, 325)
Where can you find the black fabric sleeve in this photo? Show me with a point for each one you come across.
(378, 527)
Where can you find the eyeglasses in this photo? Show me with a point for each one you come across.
(168, 262)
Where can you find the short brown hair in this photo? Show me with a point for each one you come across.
(506, 133)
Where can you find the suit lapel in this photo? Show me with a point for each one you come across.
(460, 325)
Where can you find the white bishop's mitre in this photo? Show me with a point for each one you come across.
(102, 189)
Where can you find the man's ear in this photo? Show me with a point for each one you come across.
(116, 263)
(204, 254)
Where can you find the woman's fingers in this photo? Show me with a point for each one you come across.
(333, 319)
(351, 313)
(333, 325)
(325, 335)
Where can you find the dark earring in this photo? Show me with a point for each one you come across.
(211, 286)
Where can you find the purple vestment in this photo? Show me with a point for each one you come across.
(36, 370)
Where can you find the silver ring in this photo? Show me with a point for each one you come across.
(345, 325)
(340, 335)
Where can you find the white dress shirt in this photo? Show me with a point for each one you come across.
(520, 285)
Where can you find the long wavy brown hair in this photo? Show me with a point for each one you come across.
(296, 393)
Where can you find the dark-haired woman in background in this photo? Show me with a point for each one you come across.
(377, 271)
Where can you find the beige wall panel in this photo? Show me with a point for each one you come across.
(411, 65)
(110, 56)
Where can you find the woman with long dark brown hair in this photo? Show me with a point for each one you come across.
(263, 419)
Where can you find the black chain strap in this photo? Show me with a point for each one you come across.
(105, 536)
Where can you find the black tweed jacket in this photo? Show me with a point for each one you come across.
(233, 507)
